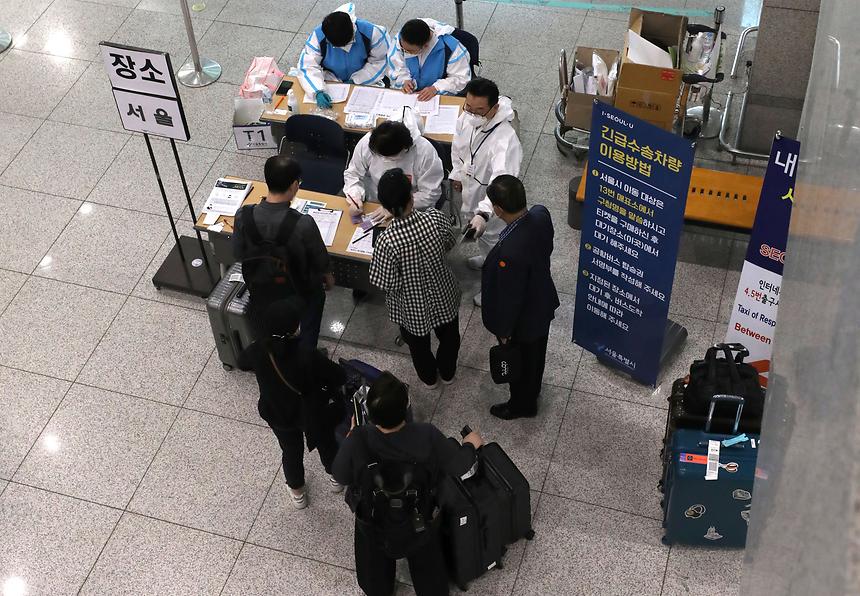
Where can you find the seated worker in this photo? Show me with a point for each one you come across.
(428, 59)
(343, 49)
(485, 146)
(392, 145)
(422, 294)
(399, 449)
(293, 400)
(270, 239)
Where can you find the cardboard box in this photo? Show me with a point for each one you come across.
(578, 106)
(651, 92)
(248, 131)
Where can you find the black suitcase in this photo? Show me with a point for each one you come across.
(227, 307)
(513, 489)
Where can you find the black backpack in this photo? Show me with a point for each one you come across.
(394, 501)
(728, 375)
(266, 264)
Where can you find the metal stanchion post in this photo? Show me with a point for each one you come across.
(5, 40)
(198, 72)
(458, 6)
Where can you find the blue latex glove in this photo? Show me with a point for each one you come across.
(323, 99)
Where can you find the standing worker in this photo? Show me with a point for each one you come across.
(485, 146)
(427, 58)
(519, 295)
(392, 145)
(421, 291)
(282, 252)
(343, 49)
(413, 457)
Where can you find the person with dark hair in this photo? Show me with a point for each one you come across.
(485, 146)
(421, 291)
(427, 58)
(391, 447)
(520, 298)
(281, 250)
(343, 49)
(294, 387)
(392, 145)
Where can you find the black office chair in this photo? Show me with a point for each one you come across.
(319, 145)
(470, 42)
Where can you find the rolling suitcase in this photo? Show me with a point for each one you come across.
(227, 307)
(472, 526)
(709, 485)
(513, 489)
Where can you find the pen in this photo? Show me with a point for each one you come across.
(277, 105)
(363, 236)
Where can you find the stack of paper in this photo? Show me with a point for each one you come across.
(337, 91)
(388, 102)
(327, 221)
(444, 122)
(227, 196)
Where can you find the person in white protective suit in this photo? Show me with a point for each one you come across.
(392, 145)
(485, 146)
(428, 59)
(343, 49)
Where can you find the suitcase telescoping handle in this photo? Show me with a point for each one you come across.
(734, 399)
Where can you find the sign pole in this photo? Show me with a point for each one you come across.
(161, 188)
(5, 40)
(197, 72)
(203, 251)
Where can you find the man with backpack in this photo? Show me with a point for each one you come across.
(427, 58)
(392, 469)
(345, 49)
(282, 252)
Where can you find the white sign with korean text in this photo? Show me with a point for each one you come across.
(257, 136)
(160, 116)
(139, 70)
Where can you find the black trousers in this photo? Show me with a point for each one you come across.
(525, 392)
(444, 363)
(292, 443)
(312, 320)
(376, 571)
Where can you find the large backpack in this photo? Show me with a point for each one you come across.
(266, 264)
(394, 501)
(729, 375)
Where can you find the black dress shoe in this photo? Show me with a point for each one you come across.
(505, 412)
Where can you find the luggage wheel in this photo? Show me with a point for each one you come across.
(226, 367)
(666, 541)
(398, 341)
(530, 534)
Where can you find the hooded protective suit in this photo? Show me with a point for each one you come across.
(478, 155)
(430, 67)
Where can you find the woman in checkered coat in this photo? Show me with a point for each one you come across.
(421, 291)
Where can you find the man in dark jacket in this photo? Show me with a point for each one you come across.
(271, 222)
(294, 392)
(519, 296)
(388, 440)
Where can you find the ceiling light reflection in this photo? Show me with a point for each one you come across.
(59, 43)
(337, 327)
(14, 586)
(51, 443)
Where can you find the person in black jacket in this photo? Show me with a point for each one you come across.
(519, 296)
(389, 438)
(309, 266)
(294, 386)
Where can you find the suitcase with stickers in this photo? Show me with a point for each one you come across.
(708, 485)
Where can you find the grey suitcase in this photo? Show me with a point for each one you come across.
(227, 307)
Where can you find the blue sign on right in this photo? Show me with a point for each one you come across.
(635, 194)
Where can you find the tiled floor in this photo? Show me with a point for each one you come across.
(131, 462)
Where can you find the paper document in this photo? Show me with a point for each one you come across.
(210, 217)
(445, 122)
(393, 102)
(361, 242)
(363, 99)
(302, 205)
(428, 108)
(338, 92)
(327, 221)
(642, 51)
(227, 196)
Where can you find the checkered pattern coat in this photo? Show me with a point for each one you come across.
(409, 265)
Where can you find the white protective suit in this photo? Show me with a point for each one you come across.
(458, 70)
(312, 75)
(421, 163)
(490, 150)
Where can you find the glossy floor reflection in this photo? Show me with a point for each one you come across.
(131, 462)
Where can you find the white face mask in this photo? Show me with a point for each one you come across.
(475, 121)
(408, 55)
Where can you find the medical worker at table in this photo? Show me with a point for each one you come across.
(426, 58)
(343, 49)
(485, 147)
(392, 145)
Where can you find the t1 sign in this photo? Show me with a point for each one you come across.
(257, 136)
(145, 91)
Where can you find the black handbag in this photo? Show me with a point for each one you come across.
(506, 363)
(727, 375)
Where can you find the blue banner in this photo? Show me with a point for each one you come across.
(635, 194)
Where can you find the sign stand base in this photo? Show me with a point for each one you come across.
(188, 270)
(5, 40)
(673, 339)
